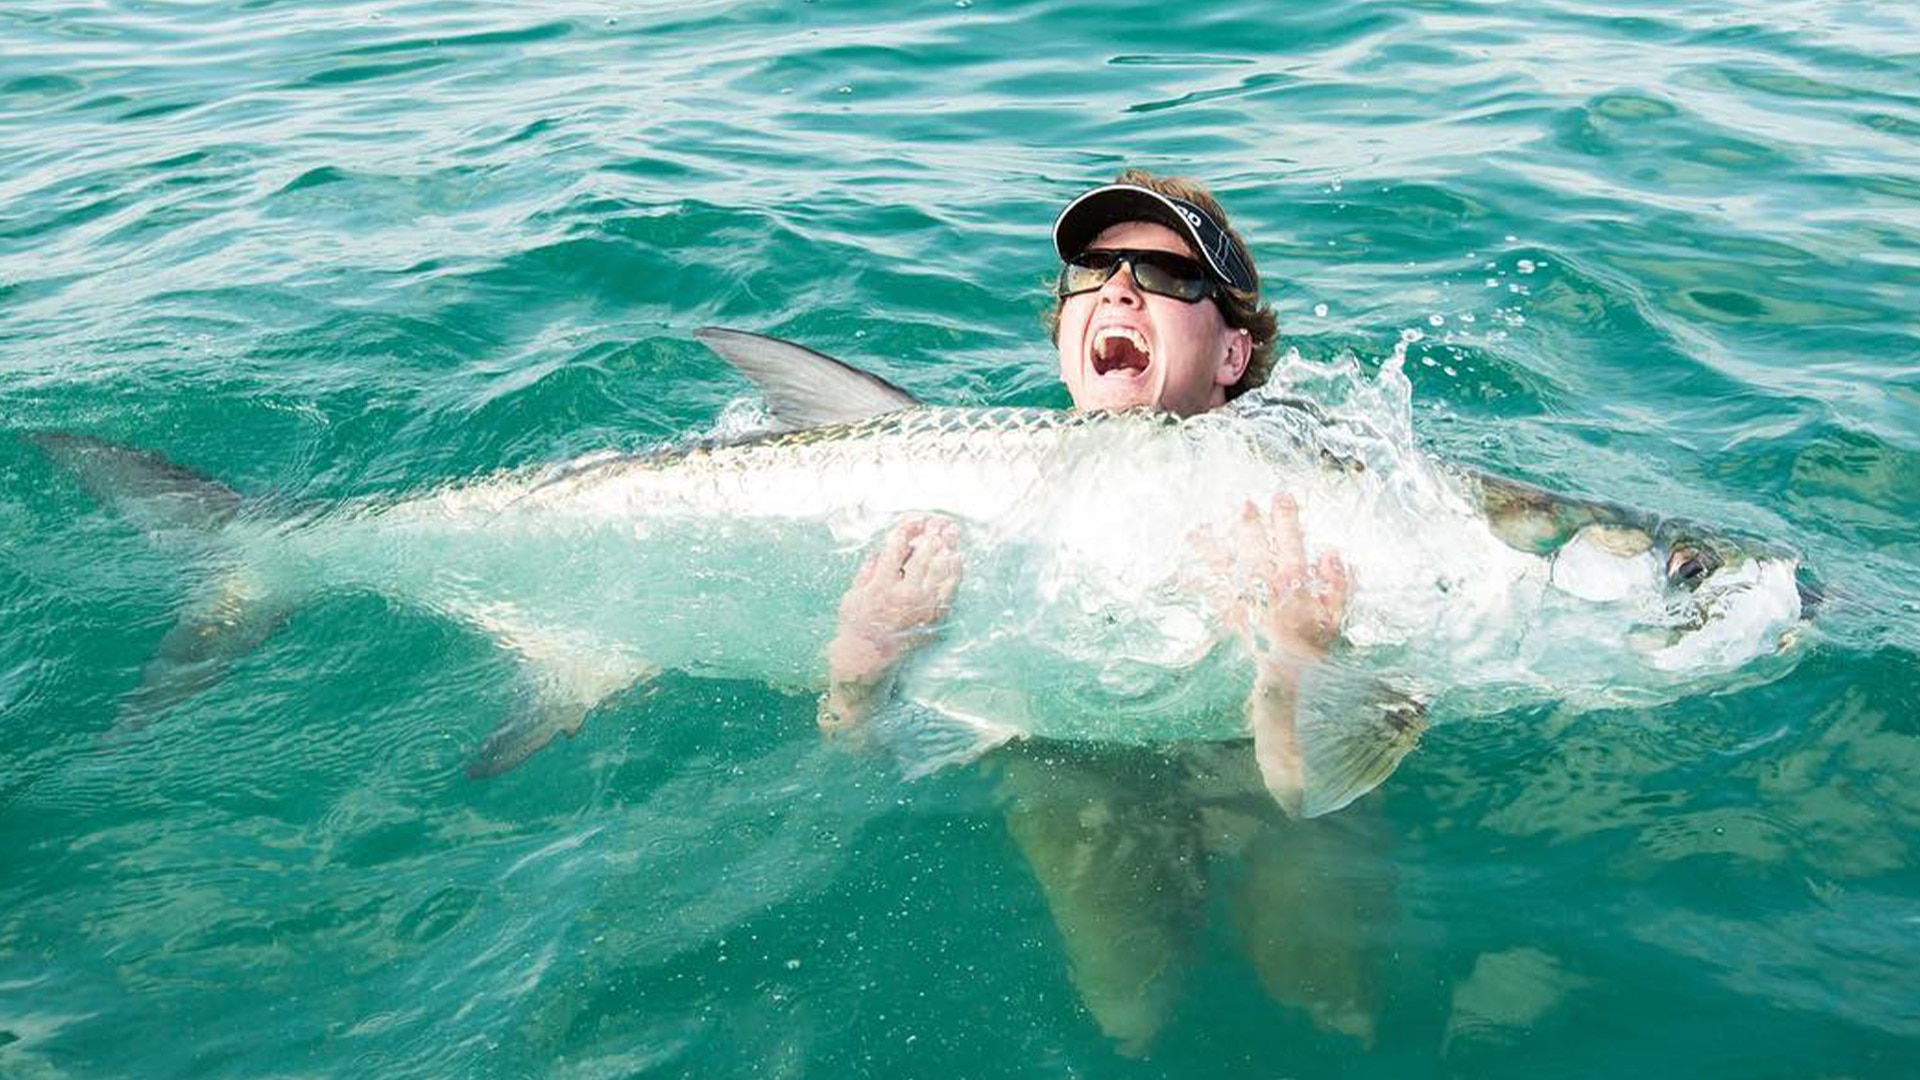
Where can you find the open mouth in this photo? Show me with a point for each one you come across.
(1120, 349)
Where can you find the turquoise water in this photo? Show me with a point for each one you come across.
(1664, 256)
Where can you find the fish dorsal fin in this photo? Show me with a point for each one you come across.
(803, 388)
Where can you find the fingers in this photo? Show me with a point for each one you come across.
(932, 570)
(935, 534)
(1289, 546)
(1332, 573)
(908, 582)
(1250, 540)
(1295, 612)
(891, 555)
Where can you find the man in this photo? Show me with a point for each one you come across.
(1159, 308)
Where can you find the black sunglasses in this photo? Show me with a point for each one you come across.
(1162, 273)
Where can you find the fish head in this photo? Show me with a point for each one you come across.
(1729, 601)
(1121, 347)
(1605, 563)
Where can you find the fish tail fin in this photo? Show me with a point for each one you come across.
(229, 615)
(1350, 742)
(165, 500)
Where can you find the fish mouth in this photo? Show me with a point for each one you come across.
(1120, 350)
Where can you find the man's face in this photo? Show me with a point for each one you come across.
(1121, 347)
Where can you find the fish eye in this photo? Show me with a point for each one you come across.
(1686, 565)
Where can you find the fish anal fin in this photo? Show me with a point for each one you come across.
(804, 388)
(563, 677)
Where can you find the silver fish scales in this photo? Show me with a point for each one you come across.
(1086, 607)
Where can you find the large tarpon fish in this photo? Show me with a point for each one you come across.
(1093, 558)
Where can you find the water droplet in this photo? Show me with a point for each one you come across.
(793, 965)
(1428, 361)
(1436, 320)
(1410, 334)
(613, 20)
(1337, 182)
(963, 3)
(846, 90)
(1493, 283)
(1525, 266)
(1320, 311)
(1512, 239)
(1449, 370)
(1466, 317)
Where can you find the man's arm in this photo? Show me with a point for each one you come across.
(900, 594)
(1291, 631)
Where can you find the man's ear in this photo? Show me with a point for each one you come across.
(1239, 353)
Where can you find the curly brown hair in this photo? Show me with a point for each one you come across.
(1241, 310)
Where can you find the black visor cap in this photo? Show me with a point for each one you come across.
(1087, 216)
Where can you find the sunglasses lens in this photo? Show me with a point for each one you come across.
(1160, 272)
(1087, 271)
(1169, 275)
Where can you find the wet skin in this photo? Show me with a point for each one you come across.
(1193, 356)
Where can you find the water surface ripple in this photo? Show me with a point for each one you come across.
(1667, 255)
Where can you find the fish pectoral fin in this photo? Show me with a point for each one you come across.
(1352, 733)
(803, 388)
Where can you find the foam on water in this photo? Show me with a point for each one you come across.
(1107, 583)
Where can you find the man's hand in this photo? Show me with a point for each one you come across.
(898, 596)
(1300, 616)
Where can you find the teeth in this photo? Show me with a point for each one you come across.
(1107, 334)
